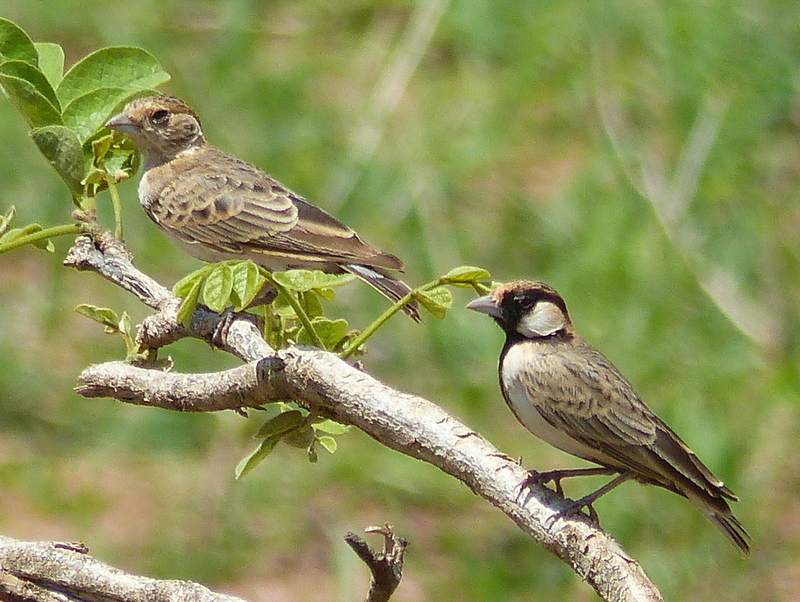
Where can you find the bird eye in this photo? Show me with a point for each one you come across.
(524, 301)
(160, 116)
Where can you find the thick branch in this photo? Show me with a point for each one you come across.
(323, 383)
(42, 571)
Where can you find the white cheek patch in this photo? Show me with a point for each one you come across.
(542, 321)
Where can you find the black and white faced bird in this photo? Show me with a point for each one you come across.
(567, 393)
(216, 206)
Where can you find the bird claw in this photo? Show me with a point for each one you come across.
(220, 334)
(574, 508)
(542, 478)
(556, 476)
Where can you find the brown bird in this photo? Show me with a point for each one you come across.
(218, 207)
(568, 394)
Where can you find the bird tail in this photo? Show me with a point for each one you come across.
(689, 477)
(389, 287)
(730, 527)
(716, 509)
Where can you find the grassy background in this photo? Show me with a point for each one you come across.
(641, 157)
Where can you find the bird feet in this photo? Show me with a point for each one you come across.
(219, 337)
(575, 506)
(556, 476)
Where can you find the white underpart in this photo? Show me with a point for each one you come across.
(545, 319)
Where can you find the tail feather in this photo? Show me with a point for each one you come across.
(389, 287)
(717, 510)
(731, 528)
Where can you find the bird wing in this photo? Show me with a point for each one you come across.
(231, 206)
(581, 393)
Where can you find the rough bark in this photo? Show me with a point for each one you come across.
(59, 572)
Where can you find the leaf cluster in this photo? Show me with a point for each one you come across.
(292, 313)
(67, 112)
(295, 427)
(290, 302)
(13, 237)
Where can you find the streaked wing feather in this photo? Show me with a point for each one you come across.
(324, 235)
(238, 208)
(627, 430)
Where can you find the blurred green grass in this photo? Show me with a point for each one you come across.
(495, 153)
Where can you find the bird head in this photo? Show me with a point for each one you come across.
(162, 127)
(528, 308)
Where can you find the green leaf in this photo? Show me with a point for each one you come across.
(312, 452)
(101, 146)
(91, 111)
(15, 43)
(437, 301)
(119, 160)
(283, 423)
(5, 220)
(329, 331)
(112, 67)
(310, 303)
(107, 317)
(255, 458)
(183, 286)
(34, 106)
(51, 61)
(328, 442)
(465, 274)
(217, 288)
(125, 323)
(13, 236)
(32, 75)
(62, 149)
(112, 151)
(306, 280)
(189, 303)
(45, 244)
(302, 438)
(331, 427)
(247, 283)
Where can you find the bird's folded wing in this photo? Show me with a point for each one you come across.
(601, 410)
(319, 233)
(241, 209)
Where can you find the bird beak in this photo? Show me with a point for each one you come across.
(485, 305)
(122, 123)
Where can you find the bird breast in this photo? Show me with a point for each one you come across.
(519, 374)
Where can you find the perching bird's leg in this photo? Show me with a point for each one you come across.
(586, 501)
(542, 478)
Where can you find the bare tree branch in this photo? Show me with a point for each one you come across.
(386, 567)
(322, 383)
(111, 259)
(49, 572)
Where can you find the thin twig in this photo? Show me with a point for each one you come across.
(386, 567)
